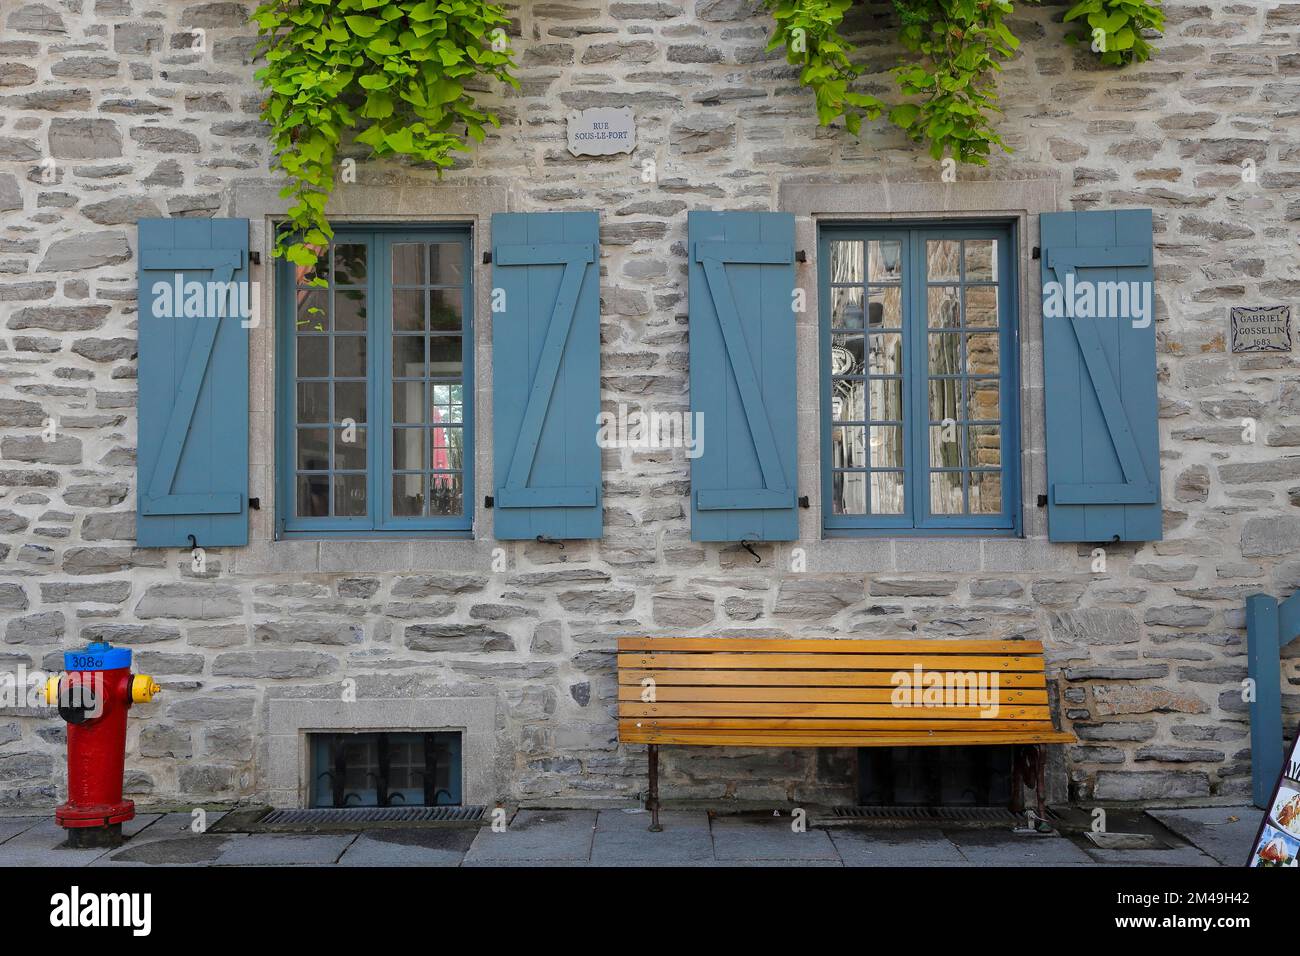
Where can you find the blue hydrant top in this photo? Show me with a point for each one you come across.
(97, 656)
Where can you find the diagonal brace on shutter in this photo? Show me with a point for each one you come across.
(1138, 488)
(776, 491)
(575, 258)
(158, 500)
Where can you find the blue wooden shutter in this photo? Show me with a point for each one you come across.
(1103, 447)
(192, 459)
(546, 375)
(742, 378)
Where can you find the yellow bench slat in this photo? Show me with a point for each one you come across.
(633, 676)
(674, 709)
(841, 739)
(831, 646)
(899, 662)
(664, 694)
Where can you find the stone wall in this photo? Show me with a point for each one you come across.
(107, 115)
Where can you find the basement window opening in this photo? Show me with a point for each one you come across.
(385, 769)
(934, 776)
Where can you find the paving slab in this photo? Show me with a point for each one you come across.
(1174, 856)
(198, 849)
(12, 826)
(622, 839)
(1214, 830)
(537, 837)
(753, 839)
(40, 845)
(414, 846)
(1004, 848)
(912, 846)
(283, 849)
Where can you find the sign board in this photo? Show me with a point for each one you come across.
(1278, 840)
(1261, 330)
(602, 132)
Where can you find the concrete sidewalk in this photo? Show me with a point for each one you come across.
(1218, 836)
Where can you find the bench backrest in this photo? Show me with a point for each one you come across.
(815, 686)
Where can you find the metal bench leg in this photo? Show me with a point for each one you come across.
(652, 798)
(1040, 782)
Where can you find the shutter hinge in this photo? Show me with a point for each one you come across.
(255, 258)
(1037, 253)
(547, 539)
(1042, 501)
(488, 501)
(487, 258)
(801, 256)
(255, 504)
(803, 502)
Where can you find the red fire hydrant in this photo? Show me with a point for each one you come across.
(93, 696)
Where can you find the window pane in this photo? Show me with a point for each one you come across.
(984, 399)
(944, 399)
(885, 260)
(942, 259)
(981, 260)
(408, 496)
(313, 356)
(885, 307)
(408, 310)
(944, 311)
(408, 263)
(408, 403)
(849, 492)
(946, 492)
(313, 449)
(313, 496)
(848, 400)
(314, 402)
(886, 399)
(446, 495)
(846, 308)
(444, 356)
(349, 356)
(349, 311)
(447, 403)
(886, 353)
(887, 489)
(886, 446)
(350, 402)
(982, 356)
(408, 356)
(986, 492)
(312, 310)
(846, 263)
(350, 496)
(445, 306)
(846, 354)
(350, 264)
(350, 448)
(945, 353)
(849, 446)
(985, 446)
(982, 307)
(446, 263)
(408, 449)
(945, 446)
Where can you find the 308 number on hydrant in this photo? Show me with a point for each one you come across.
(93, 695)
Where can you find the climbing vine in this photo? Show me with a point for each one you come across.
(394, 75)
(954, 50)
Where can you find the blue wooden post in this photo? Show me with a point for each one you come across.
(1270, 626)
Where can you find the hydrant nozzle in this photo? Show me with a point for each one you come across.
(143, 688)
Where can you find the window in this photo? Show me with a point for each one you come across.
(376, 386)
(385, 769)
(919, 391)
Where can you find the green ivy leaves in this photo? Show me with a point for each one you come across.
(391, 73)
(957, 48)
(1112, 28)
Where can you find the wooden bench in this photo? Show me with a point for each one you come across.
(836, 693)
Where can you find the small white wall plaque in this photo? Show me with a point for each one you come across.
(1261, 329)
(603, 131)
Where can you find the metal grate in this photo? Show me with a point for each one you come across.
(351, 816)
(935, 814)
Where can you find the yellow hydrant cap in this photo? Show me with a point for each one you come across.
(143, 689)
(52, 690)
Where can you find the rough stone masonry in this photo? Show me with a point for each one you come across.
(108, 114)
